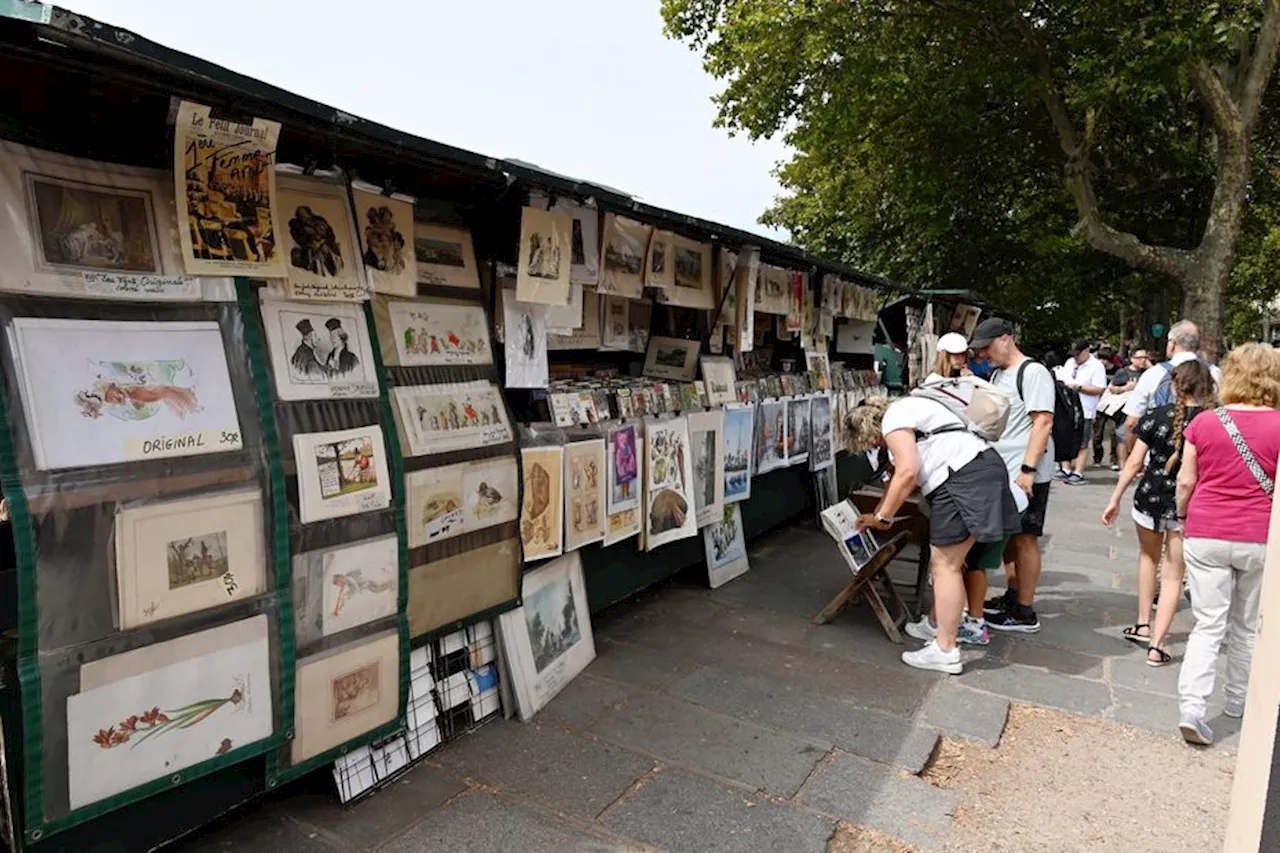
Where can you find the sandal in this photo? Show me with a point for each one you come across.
(1162, 657)
(1133, 633)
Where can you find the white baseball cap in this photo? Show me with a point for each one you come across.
(953, 342)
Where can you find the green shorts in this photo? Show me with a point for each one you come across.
(985, 555)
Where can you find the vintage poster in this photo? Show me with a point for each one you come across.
(429, 333)
(622, 256)
(668, 479)
(822, 446)
(659, 268)
(180, 556)
(444, 256)
(453, 499)
(706, 443)
(319, 352)
(771, 436)
(525, 342)
(726, 547)
(225, 186)
(385, 224)
(797, 430)
(361, 584)
(623, 469)
(455, 416)
(344, 693)
(615, 325)
(672, 358)
(739, 421)
(133, 390)
(319, 241)
(720, 380)
(541, 530)
(152, 712)
(693, 275)
(584, 496)
(341, 473)
(546, 246)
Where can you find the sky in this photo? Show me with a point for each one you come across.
(587, 88)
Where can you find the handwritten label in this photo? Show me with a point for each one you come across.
(354, 389)
(129, 286)
(445, 524)
(183, 444)
(495, 434)
(322, 291)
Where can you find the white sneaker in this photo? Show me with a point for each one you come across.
(1195, 730)
(932, 657)
(922, 630)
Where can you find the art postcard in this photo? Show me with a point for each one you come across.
(320, 245)
(771, 436)
(341, 473)
(440, 418)
(584, 497)
(525, 342)
(225, 185)
(739, 422)
(181, 556)
(546, 246)
(822, 442)
(446, 501)
(541, 529)
(615, 325)
(726, 547)
(445, 256)
(160, 714)
(428, 333)
(622, 256)
(386, 223)
(691, 264)
(706, 443)
(360, 584)
(97, 392)
(720, 380)
(345, 693)
(669, 508)
(798, 429)
(319, 352)
(672, 358)
(659, 268)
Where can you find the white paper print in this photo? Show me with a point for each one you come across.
(706, 445)
(319, 241)
(798, 432)
(341, 473)
(361, 583)
(670, 513)
(440, 418)
(451, 500)
(319, 352)
(386, 223)
(771, 436)
(436, 333)
(546, 245)
(822, 447)
(525, 342)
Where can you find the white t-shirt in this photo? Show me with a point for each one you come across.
(1149, 382)
(1092, 372)
(1037, 396)
(939, 454)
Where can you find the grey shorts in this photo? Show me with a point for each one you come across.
(974, 501)
(1088, 432)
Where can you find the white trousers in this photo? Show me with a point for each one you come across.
(1225, 579)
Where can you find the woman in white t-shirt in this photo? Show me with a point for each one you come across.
(966, 485)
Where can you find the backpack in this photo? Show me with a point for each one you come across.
(1068, 418)
(981, 408)
(1163, 395)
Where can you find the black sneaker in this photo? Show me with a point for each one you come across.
(1000, 603)
(1017, 618)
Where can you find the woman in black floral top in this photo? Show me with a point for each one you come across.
(1159, 433)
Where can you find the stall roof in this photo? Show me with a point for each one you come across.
(62, 36)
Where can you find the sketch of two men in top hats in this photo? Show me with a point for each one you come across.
(317, 357)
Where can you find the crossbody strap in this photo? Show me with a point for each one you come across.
(1251, 461)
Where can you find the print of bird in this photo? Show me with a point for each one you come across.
(489, 496)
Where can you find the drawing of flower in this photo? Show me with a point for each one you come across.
(157, 722)
(103, 737)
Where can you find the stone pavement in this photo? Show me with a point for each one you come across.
(725, 721)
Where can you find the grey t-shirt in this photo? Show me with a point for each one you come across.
(1037, 396)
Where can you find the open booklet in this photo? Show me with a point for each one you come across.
(857, 547)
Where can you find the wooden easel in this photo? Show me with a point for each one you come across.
(864, 584)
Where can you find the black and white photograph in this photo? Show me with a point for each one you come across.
(319, 351)
(822, 437)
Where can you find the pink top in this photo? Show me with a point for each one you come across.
(1228, 503)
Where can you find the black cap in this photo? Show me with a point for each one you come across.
(1079, 347)
(988, 330)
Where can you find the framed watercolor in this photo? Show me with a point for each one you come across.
(584, 495)
(739, 423)
(670, 512)
(389, 242)
(706, 444)
(822, 441)
(447, 501)
(318, 241)
(541, 527)
(726, 547)
(345, 693)
(341, 473)
(771, 436)
(319, 352)
(445, 256)
(432, 332)
(622, 256)
(135, 390)
(672, 358)
(544, 253)
(720, 380)
(456, 416)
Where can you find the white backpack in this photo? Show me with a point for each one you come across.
(981, 407)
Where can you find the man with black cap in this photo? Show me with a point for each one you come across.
(1088, 378)
(304, 358)
(1027, 450)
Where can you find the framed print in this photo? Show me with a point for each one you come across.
(692, 271)
(623, 469)
(771, 436)
(706, 441)
(622, 256)
(726, 547)
(152, 712)
(822, 442)
(584, 501)
(319, 241)
(133, 390)
(739, 421)
(319, 352)
(432, 332)
(797, 430)
(548, 639)
(181, 556)
(525, 342)
(720, 379)
(444, 256)
(456, 416)
(672, 358)
(386, 223)
(345, 693)
(659, 268)
(341, 473)
(541, 530)
(225, 185)
(454, 499)
(668, 475)
(546, 246)
(340, 588)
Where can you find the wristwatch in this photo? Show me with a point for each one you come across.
(1028, 469)
(880, 519)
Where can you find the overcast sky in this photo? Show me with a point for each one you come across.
(588, 88)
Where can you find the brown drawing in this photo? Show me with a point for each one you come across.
(355, 691)
(196, 559)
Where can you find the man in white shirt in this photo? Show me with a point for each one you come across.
(1155, 386)
(1088, 378)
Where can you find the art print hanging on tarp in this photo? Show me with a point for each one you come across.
(343, 472)
(319, 352)
(344, 693)
(155, 711)
(319, 241)
(797, 430)
(456, 416)
(444, 256)
(225, 184)
(822, 443)
(672, 358)
(739, 421)
(133, 390)
(622, 256)
(337, 589)
(387, 242)
(668, 475)
(454, 499)
(430, 333)
(587, 336)
(541, 530)
(726, 547)
(771, 436)
(546, 246)
(706, 443)
(584, 493)
(524, 342)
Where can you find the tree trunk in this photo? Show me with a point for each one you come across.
(1204, 296)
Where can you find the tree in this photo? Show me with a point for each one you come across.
(1025, 147)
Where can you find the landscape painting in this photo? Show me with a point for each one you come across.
(622, 259)
(195, 559)
(671, 358)
(726, 547)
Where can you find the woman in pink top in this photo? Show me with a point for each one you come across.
(1224, 496)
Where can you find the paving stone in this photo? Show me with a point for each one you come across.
(568, 772)
(482, 823)
(873, 795)
(688, 814)
(638, 665)
(261, 828)
(1055, 659)
(683, 733)
(1136, 675)
(965, 713)
(760, 624)
(583, 702)
(1146, 711)
(1024, 684)
(892, 739)
(1091, 638)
